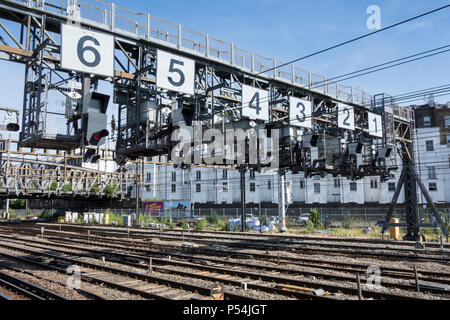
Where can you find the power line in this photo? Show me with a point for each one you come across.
(358, 38)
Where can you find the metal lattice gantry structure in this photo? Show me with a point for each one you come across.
(166, 77)
(33, 173)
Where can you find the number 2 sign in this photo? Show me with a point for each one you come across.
(175, 73)
(86, 51)
(346, 117)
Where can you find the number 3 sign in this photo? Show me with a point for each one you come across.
(86, 51)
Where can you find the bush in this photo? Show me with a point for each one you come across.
(171, 226)
(67, 188)
(226, 226)
(201, 225)
(111, 190)
(263, 219)
(310, 226)
(95, 188)
(48, 216)
(348, 220)
(17, 204)
(447, 219)
(214, 218)
(185, 225)
(53, 186)
(316, 219)
(165, 220)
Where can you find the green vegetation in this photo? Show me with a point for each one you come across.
(201, 225)
(316, 219)
(213, 218)
(49, 216)
(348, 220)
(165, 220)
(447, 219)
(54, 186)
(95, 188)
(67, 188)
(263, 219)
(185, 225)
(80, 219)
(17, 204)
(112, 190)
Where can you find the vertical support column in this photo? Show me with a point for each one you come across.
(253, 62)
(149, 26)
(232, 54)
(293, 74)
(242, 171)
(207, 45)
(282, 206)
(274, 68)
(113, 17)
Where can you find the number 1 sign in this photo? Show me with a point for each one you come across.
(86, 51)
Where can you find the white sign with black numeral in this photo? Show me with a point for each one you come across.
(87, 51)
(346, 117)
(300, 113)
(375, 125)
(175, 73)
(255, 103)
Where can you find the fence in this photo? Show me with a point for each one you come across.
(340, 216)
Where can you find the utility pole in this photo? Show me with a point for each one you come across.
(243, 170)
(282, 207)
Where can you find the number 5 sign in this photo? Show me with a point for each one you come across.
(175, 73)
(86, 51)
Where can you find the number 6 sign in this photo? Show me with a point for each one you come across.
(86, 51)
(175, 73)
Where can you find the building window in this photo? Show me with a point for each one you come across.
(148, 188)
(224, 174)
(431, 172)
(430, 145)
(392, 186)
(353, 186)
(174, 188)
(447, 122)
(302, 184)
(448, 140)
(432, 187)
(252, 174)
(269, 185)
(225, 187)
(316, 187)
(149, 177)
(426, 121)
(252, 187)
(174, 177)
(337, 183)
(198, 188)
(374, 184)
(199, 175)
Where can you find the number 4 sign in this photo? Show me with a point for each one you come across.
(255, 103)
(86, 51)
(346, 117)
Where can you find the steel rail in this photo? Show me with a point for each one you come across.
(227, 271)
(28, 289)
(148, 278)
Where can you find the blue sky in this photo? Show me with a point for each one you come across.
(288, 29)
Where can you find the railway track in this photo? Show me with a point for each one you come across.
(198, 269)
(432, 255)
(280, 238)
(25, 290)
